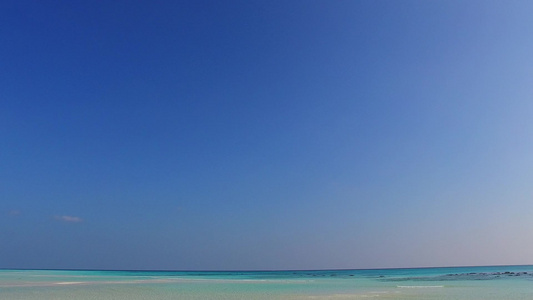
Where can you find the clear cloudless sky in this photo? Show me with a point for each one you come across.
(209, 135)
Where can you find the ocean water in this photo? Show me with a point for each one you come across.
(461, 283)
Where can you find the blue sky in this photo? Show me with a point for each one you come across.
(265, 134)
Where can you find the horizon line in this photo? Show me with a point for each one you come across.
(260, 270)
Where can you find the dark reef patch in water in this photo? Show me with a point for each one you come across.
(463, 276)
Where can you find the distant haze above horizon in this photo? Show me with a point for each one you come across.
(265, 135)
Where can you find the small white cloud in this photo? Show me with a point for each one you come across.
(14, 213)
(68, 219)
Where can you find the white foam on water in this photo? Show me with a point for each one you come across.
(69, 282)
(419, 286)
(343, 296)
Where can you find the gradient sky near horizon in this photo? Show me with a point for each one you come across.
(209, 135)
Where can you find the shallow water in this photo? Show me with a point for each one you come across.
(465, 283)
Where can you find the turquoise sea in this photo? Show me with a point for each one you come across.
(461, 283)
